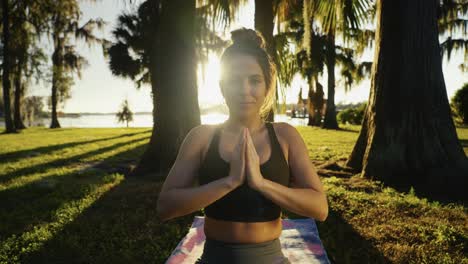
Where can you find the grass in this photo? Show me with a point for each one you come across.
(64, 199)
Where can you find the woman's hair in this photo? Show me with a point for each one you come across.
(251, 42)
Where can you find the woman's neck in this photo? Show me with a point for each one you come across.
(253, 124)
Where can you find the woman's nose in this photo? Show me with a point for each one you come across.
(245, 86)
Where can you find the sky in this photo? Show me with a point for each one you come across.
(98, 91)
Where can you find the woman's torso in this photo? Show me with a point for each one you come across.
(273, 166)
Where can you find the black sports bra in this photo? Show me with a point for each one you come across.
(244, 204)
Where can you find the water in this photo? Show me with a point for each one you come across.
(144, 120)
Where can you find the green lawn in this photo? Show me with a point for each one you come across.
(64, 199)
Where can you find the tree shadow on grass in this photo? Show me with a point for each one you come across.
(26, 153)
(38, 203)
(42, 167)
(445, 184)
(343, 244)
(347, 130)
(120, 227)
(464, 142)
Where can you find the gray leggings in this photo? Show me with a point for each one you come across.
(268, 252)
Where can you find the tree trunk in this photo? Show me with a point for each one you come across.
(9, 124)
(408, 137)
(315, 101)
(264, 22)
(174, 86)
(56, 71)
(18, 97)
(330, 112)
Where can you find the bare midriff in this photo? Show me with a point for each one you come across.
(242, 232)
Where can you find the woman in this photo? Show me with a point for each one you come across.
(244, 170)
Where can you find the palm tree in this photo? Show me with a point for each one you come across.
(408, 137)
(133, 36)
(173, 72)
(160, 44)
(311, 57)
(335, 18)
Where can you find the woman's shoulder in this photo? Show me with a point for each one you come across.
(283, 128)
(284, 132)
(202, 132)
(201, 135)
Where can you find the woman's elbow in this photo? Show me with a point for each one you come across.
(323, 216)
(324, 211)
(162, 211)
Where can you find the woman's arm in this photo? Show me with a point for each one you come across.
(182, 201)
(178, 195)
(307, 197)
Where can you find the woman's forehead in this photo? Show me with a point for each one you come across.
(243, 65)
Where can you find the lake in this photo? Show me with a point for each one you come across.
(145, 120)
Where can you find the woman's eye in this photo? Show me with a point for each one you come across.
(255, 81)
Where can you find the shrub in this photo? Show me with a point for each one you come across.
(459, 104)
(353, 116)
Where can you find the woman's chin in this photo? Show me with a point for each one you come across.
(245, 113)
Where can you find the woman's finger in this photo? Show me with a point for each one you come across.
(243, 143)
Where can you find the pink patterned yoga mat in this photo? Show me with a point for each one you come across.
(299, 239)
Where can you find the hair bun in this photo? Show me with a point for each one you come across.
(247, 38)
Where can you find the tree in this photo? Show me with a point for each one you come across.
(408, 137)
(159, 43)
(65, 16)
(133, 35)
(335, 17)
(9, 124)
(311, 57)
(26, 58)
(125, 114)
(453, 27)
(25, 24)
(22, 40)
(33, 107)
(264, 22)
(460, 103)
(173, 83)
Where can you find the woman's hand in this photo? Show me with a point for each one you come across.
(252, 166)
(237, 162)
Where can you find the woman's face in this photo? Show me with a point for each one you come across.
(243, 85)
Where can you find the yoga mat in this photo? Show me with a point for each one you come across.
(300, 243)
